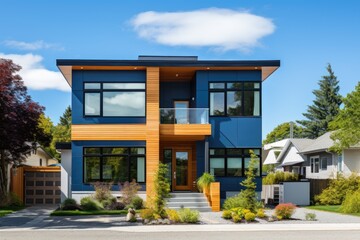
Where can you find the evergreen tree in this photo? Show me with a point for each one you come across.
(325, 106)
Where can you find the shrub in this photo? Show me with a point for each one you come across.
(11, 200)
(284, 210)
(161, 190)
(137, 202)
(236, 218)
(116, 206)
(173, 215)
(187, 215)
(249, 217)
(279, 176)
(310, 217)
(227, 214)
(108, 202)
(129, 191)
(70, 204)
(234, 202)
(338, 189)
(261, 213)
(89, 204)
(204, 181)
(102, 191)
(351, 204)
(147, 213)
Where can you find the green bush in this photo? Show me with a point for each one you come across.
(173, 215)
(108, 202)
(279, 176)
(137, 202)
(204, 181)
(187, 215)
(161, 191)
(147, 213)
(250, 217)
(11, 200)
(338, 189)
(310, 217)
(90, 204)
(70, 204)
(236, 218)
(102, 191)
(261, 213)
(129, 191)
(284, 210)
(227, 214)
(351, 204)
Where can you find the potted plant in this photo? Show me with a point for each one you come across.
(203, 183)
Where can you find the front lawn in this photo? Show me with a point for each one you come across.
(88, 213)
(331, 208)
(7, 210)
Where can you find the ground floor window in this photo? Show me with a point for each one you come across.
(114, 164)
(232, 162)
(315, 164)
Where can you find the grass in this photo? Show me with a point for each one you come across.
(88, 213)
(331, 208)
(7, 210)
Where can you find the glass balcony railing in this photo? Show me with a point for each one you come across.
(184, 115)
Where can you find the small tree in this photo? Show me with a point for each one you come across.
(161, 189)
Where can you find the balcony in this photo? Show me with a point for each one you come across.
(184, 124)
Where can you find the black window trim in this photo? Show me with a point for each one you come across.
(226, 89)
(242, 156)
(101, 90)
(101, 155)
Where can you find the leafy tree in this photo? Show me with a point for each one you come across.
(47, 127)
(325, 106)
(282, 131)
(19, 121)
(347, 122)
(62, 131)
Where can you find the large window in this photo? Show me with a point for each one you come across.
(234, 99)
(314, 164)
(232, 162)
(114, 164)
(114, 99)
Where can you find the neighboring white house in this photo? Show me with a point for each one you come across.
(273, 149)
(39, 157)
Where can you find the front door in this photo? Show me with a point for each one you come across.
(181, 169)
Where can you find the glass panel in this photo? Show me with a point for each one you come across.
(124, 104)
(167, 116)
(181, 112)
(123, 85)
(234, 151)
(324, 164)
(168, 161)
(182, 160)
(234, 103)
(256, 151)
(91, 150)
(91, 169)
(92, 86)
(137, 169)
(257, 165)
(217, 103)
(217, 85)
(251, 103)
(234, 167)
(137, 150)
(317, 165)
(217, 151)
(251, 85)
(235, 85)
(115, 169)
(217, 167)
(92, 104)
(115, 150)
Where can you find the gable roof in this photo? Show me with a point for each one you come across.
(322, 143)
(290, 153)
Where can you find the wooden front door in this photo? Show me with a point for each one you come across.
(181, 168)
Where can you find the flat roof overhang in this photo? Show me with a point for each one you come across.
(167, 67)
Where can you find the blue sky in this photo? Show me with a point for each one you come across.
(304, 35)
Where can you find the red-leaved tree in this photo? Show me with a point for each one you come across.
(19, 117)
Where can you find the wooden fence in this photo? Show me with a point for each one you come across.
(317, 186)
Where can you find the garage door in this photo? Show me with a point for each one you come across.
(42, 187)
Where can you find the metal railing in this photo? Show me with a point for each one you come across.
(184, 115)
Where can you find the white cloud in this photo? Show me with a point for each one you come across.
(31, 45)
(35, 75)
(222, 29)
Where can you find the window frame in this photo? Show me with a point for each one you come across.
(321, 163)
(227, 89)
(101, 90)
(242, 156)
(128, 155)
(313, 164)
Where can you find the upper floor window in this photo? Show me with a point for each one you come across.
(235, 99)
(114, 99)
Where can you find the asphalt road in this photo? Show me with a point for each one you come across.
(110, 234)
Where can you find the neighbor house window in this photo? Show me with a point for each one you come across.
(234, 99)
(314, 164)
(114, 99)
(114, 164)
(324, 163)
(232, 162)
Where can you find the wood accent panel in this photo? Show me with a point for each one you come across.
(215, 196)
(152, 126)
(185, 129)
(108, 132)
(17, 182)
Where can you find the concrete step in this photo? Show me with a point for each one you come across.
(188, 199)
(194, 201)
(200, 209)
(185, 194)
(188, 204)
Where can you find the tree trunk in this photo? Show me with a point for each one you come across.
(3, 176)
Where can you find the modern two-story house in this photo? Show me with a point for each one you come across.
(194, 115)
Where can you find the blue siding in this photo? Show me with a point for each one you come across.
(77, 160)
(229, 132)
(78, 79)
(200, 158)
(171, 91)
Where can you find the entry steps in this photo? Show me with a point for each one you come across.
(194, 201)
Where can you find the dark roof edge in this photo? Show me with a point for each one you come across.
(63, 145)
(169, 63)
